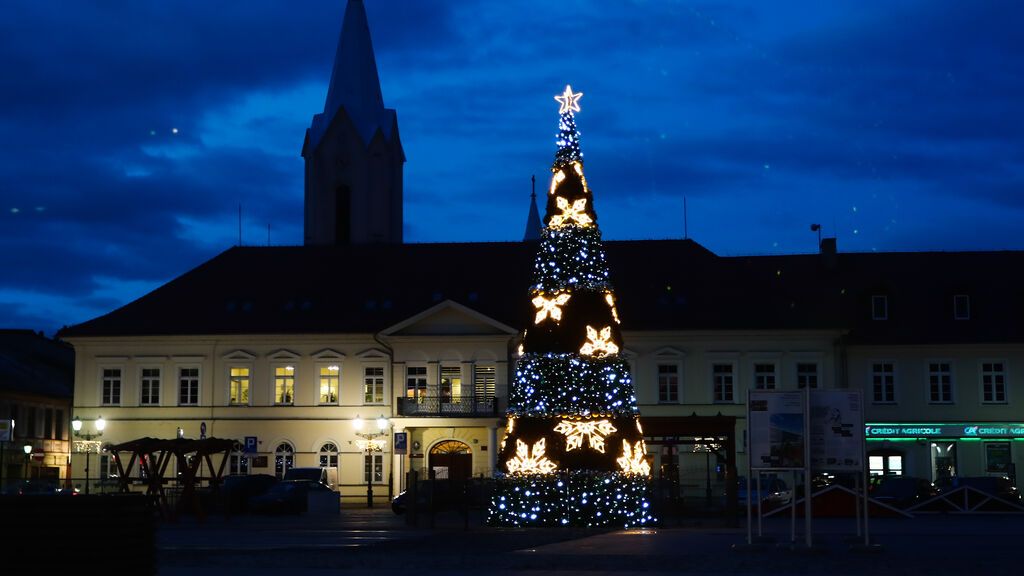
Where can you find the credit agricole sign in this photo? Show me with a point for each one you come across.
(960, 430)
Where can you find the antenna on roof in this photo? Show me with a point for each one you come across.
(686, 227)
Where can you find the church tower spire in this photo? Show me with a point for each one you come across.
(533, 225)
(353, 153)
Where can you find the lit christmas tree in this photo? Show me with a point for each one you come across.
(573, 453)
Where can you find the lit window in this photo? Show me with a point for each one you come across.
(416, 382)
(373, 385)
(451, 384)
(239, 392)
(284, 384)
(373, 464)
(329, 455)
(483, 381)
(329, 379)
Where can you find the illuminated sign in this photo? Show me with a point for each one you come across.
(877, 431)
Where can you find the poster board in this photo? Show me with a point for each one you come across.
(777, 430)
(836, 430)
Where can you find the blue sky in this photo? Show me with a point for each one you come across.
(130, 132)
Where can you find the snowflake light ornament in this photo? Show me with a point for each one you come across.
(599, 344)
(594, 431)
(570, 213)
(526, 463)
(549, 307)
(632, 460)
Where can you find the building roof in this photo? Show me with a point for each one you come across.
(35, 365)
(660, 285)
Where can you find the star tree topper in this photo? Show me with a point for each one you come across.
(570, 102)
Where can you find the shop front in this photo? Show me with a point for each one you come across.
(940, 451)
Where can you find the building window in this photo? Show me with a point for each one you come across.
(329, 455)
(993, 383)
(668, 383)
(722, 378)
(284, 459)
(373, 385)
(111, 388)
(284, 384)
(329, 378)
(940, 383)
(373, 464)
(58, 424)
(806, 375)
(150, 384)
(484, 378)
(764, 376)
(997, 457)
(416, 382)
(961, 307)
(879, 307)
(883, 383)
(239, 386)
(48, 423)
(238, 460)
(188, 386)
(451, 384)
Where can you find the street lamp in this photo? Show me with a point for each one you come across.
(87, 441)
(28, 452)
(371, 442)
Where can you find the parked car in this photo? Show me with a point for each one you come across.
(774, 492)
(902, 491)
(38, 487)
(445, 495)
(237, 489)
(999, 486)
(314, 474)
(284, 497)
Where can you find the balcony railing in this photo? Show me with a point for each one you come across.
(447, 406)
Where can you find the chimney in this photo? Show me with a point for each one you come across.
(827, 249)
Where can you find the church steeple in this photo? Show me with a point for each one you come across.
(533, 225)
(354, 157)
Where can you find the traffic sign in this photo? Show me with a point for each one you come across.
(250, 445)
(202, 431)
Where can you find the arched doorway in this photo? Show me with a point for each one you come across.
(451, 459)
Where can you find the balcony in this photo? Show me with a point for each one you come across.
(447, 406)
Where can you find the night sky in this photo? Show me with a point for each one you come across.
(131, 131)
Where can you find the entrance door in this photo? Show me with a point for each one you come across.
(451, 459)
(943, 454)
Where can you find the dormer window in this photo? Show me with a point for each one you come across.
(879, 307)
(961, 307)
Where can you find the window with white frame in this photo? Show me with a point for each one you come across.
(484, 379)
(329, 455)
(330, 377)
(961, 307)
(668, 383)
(284, 459)
(238, 460)
(883, 383)
(806, 375)
(373, 464)
(111, 387)
(879, 307)
(149, 385)
(239, 378)
(188, 386)
(940, 383)
(416, 382)
(993, 383)
(764, 376)
(722, 378)
(450, 384)
(373, 385)
(284, 384)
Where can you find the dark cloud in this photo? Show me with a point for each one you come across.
(896, 126)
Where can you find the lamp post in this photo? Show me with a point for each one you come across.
(28, 452)
(371, 442)
(87, 441)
